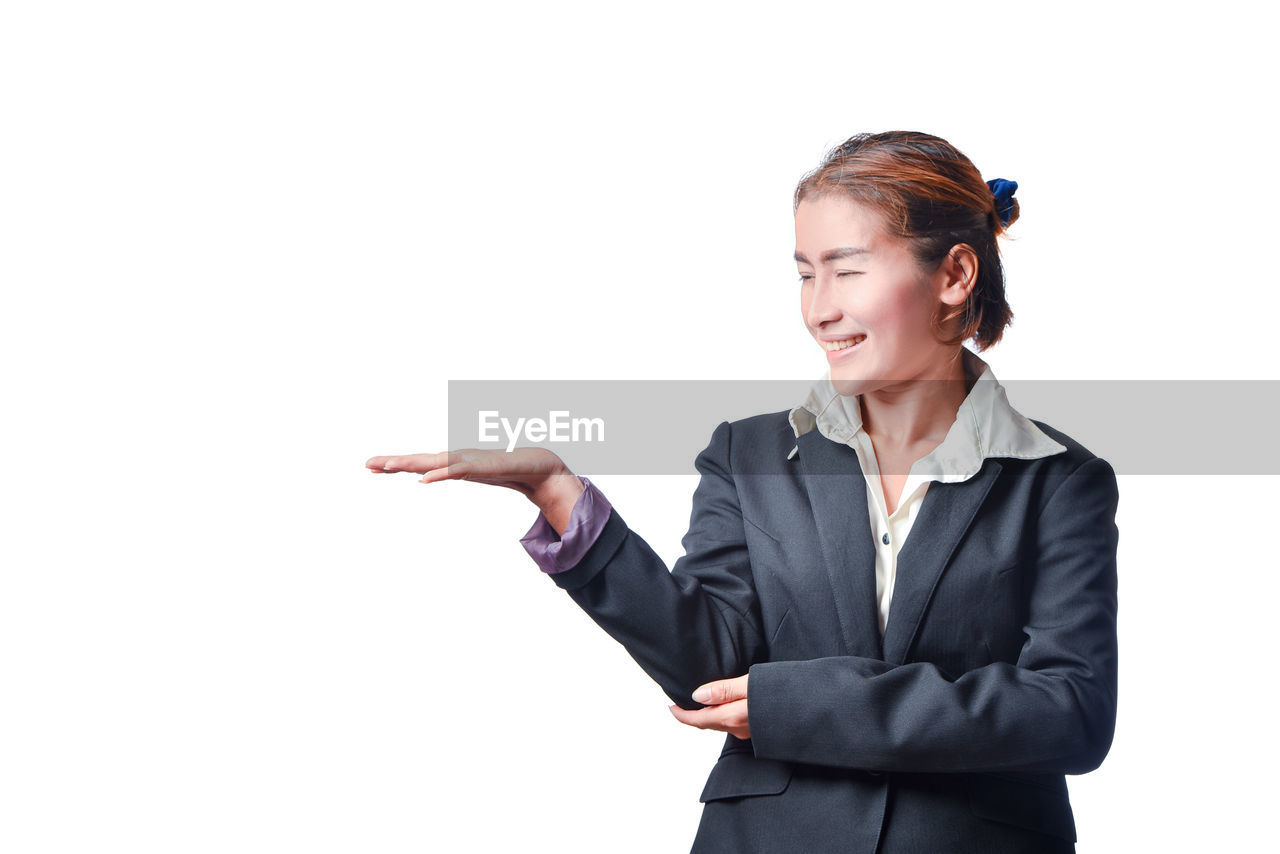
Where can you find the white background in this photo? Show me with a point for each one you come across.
(246, 245)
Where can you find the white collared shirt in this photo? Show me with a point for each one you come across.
(986, 425)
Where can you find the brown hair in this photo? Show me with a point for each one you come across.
(931, 195)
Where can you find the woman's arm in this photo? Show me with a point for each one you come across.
(1054, 712)
(695, 622)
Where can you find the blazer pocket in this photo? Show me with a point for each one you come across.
(774, 636)
(763, 530)
(739, 774)
(1027, 805)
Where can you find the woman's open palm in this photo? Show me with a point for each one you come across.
(528, 471)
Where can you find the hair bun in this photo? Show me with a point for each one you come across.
(1006, 205)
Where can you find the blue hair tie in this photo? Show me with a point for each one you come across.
(1003, 191)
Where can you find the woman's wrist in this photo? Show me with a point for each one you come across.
(556, 496)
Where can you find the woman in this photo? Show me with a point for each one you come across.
(907, 629)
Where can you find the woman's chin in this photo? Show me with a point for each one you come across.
(849, 369)
(849, 383)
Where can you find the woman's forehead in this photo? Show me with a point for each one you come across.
(839, 211)
(831, 228)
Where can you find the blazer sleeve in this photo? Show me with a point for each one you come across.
(694, 622)
(1052, 712)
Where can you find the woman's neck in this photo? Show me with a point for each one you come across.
(917, 412)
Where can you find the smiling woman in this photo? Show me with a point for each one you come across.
(949, 721)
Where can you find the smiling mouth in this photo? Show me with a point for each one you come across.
(843, 344)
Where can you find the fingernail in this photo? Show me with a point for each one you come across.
(701, 695)
(389, 464)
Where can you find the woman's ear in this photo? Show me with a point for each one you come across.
(957, 274)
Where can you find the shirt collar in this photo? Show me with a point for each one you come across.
(986, 425)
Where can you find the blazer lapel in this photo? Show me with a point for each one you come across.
(944, 516)
(838, 496)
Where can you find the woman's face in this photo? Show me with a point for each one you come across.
(858, 281)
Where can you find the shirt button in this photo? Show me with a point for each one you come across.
(885, 538)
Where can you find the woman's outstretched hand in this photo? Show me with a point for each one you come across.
(538, 474)
(726, 701)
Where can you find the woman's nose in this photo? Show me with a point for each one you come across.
(820, 306)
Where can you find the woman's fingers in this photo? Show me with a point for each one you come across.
(458, 469)
(730, 717)
(524, 470)
(446, 465)
(722, 690)
(416, 463)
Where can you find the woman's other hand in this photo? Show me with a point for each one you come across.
(536, 473)
(726, 707)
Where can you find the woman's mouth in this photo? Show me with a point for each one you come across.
(837, 350)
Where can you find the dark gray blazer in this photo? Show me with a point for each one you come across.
(995, 678)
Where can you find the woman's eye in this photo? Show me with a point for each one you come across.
(806, 276)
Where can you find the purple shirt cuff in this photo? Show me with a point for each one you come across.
(554, 554)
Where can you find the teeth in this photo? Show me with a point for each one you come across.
(842, 345)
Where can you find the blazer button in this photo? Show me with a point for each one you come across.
(885, 538)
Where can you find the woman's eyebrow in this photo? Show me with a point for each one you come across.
(835, 254)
